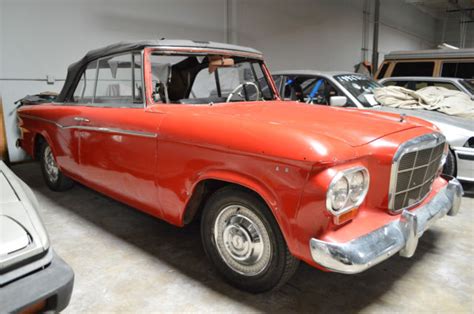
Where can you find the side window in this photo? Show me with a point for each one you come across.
(115, 84)
(413, 69)
(443, 84)
(390, 83)
(383, 70)
(458, 69)
(295, 88)
(420, 85)
(320, 91)
(137, 72)
(85, 88)
(290, 85)
(167, 84)
(261, 81)
(315, 90)
(112, 82)
(278, 79)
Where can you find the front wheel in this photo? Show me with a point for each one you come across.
(54, 178)
(450, 164)
(243, 240)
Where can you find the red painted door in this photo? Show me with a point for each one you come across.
(118, 149)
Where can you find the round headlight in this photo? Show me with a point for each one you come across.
(357, 186)
(339, 193)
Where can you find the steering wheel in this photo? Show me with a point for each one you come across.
(241, 88)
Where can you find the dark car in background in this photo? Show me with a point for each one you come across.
(429, 63)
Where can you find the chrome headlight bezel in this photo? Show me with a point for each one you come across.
(350, 203)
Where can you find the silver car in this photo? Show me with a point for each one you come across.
(33, 278)
(418, 82)
(345, 89)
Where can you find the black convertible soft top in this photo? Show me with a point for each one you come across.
(75, 70)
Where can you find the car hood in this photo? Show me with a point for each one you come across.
(432, 116)
(456, 129)
(351, 126)
(22, 234)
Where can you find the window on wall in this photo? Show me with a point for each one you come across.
(413, 69)
(114, 81)
(458, 69)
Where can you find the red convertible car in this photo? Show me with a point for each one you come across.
(188, 130)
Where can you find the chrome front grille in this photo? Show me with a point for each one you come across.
(414, 168)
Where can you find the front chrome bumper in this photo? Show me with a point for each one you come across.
(401, 235)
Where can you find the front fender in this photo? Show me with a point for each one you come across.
(273, 200)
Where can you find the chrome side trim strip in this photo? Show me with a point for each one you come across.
(112, 130)
(92, 128)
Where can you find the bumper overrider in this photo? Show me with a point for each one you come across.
(400, 236)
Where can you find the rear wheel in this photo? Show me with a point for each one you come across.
(54, 178)
(243, 240)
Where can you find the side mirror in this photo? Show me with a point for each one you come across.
(338, 101)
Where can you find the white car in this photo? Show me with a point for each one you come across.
(33, 279)
(346, 89)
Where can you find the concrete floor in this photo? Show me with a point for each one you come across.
(125, 260)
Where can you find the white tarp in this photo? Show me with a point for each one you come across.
(451, 102)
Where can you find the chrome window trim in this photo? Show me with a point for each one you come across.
(207, 51)
(425, 141)
(144, 94)
(92, 128)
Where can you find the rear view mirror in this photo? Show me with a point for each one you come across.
(219, 62)
(338, 101)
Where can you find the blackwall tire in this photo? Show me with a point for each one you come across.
(450, 164)
(244, 242)
(53, 177)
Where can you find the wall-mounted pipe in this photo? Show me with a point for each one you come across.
(365, 31)
(375, 43)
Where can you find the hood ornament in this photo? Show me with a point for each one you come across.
(402, 117)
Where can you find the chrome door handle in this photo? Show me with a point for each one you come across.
(81, 119)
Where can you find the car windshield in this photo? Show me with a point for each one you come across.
(469, 85)
(360, 86)
(203, 79)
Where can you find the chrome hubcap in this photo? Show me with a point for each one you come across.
(50, 165)
(242, 240)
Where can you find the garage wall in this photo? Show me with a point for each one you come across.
(452, 32)
(39, 38)
(327, 34)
